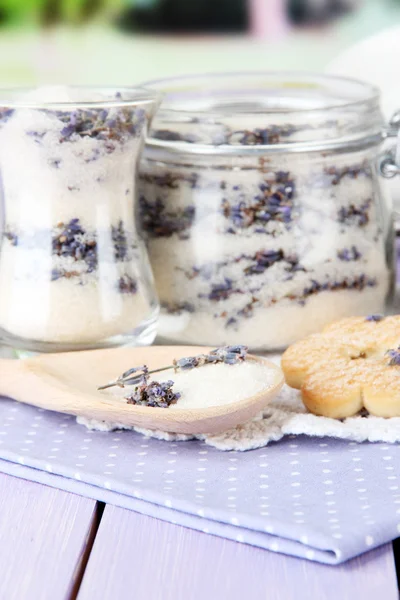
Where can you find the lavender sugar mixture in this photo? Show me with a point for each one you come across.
(265, 251)
(199, 381)
(151, 394)
(72, 267)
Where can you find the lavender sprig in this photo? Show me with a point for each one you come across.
(229, 355)
(126, 379)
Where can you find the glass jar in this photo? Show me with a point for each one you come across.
(74, 273)
(265, 213)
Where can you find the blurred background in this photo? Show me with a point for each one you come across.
(126, 41)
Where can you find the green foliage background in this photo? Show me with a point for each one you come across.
(36, 12)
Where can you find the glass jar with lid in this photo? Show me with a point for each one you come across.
(264, 206)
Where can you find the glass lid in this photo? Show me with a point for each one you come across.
(263, 111)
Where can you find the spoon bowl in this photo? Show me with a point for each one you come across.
(68, 382)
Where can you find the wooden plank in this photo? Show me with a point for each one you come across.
(44, 536)
(139, 557)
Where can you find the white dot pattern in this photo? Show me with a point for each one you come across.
(296, 496)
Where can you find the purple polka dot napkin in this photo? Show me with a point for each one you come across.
(322, 499)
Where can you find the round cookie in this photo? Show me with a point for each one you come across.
(352, 364)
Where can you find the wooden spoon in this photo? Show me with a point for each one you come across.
(67, 383)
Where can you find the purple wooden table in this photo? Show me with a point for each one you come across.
(58, 546)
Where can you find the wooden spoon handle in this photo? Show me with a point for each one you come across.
(23, 380)
(11, 376)
(26, 381)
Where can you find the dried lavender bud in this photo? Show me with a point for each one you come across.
(351, 214)
(227, 354)
(55, 162)
(5, 114)
(240, 214)
(216, 133)
(357, 283)
(127, 285)
(239, 349)
(222, 291)
(264, 259)
(120, 241)
(170, 180)
(349, 254)
(72, 240)
(394, 357)
(129, 372)
(186, 363)
(159, 222)
(12, 237)
(273, 203)
(205, 271)
(191, 362)
(127, 379)
(141, 379)
(353, 172)
(177, 308)
(258, 136)
(374, 318)
(115, 125)
(231, 322)
(231, 354)
(167, 180)
(154, 394)
(247, 311)
(231, 358)
(174, 136)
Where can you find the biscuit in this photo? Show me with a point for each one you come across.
(353, 364)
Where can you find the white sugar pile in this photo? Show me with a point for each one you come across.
(214, 385)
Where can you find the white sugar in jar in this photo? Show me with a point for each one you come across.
(74, 272)
(264, 210)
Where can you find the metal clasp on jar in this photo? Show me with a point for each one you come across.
(389, 164)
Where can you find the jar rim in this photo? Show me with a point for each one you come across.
(295, 78)
(170, 151)
(255, 112)
(24, 98)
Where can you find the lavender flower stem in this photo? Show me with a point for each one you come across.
(229, 355)
(132, 380)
